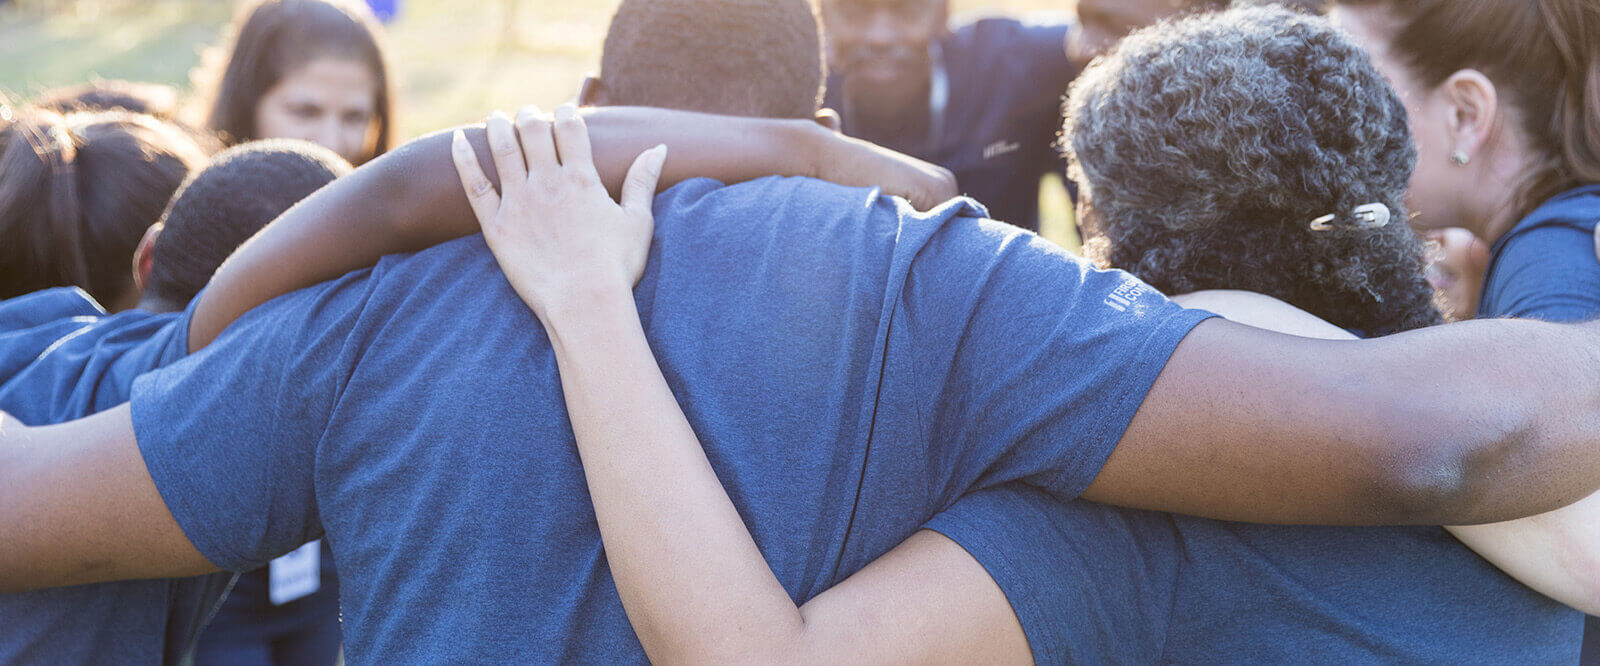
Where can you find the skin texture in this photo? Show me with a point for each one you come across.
(328, 101)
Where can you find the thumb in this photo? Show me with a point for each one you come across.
(639, 190)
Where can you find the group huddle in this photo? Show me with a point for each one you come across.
(683, 375)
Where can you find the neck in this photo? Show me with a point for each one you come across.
(154, 303)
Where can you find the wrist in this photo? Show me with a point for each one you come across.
(818, 146)
(581, 309)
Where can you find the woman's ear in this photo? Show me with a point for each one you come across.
(144, 257)
(1473, 106)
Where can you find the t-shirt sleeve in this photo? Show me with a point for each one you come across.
(230, 434)
(1036, 361)
(1548, 272)
(1091, 584)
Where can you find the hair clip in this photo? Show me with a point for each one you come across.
(1366, 216)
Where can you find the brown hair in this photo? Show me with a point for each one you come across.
(151, 99)
(275, 37)
(77, 192)
(1543, 54)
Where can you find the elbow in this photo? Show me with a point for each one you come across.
(1451, 479)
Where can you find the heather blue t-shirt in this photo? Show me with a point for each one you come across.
(850, 366)
(62, 358)
(1545, 267)
(1100, 584)
(1003, 114)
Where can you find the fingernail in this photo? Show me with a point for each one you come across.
(566, 112)
(458, 140)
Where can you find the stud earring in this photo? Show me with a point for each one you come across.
(1459, 158)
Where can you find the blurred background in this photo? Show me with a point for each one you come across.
(456, 59)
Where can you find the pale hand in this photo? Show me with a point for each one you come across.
(554, 230)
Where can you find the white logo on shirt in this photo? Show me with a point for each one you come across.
(999, 148)
(1125, 295)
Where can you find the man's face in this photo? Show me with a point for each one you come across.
(1102, 23)
(882, 43)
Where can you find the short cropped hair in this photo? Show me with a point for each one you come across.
(760, 58)
(1208, 145)
(227, 202)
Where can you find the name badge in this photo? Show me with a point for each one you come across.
(295, 575)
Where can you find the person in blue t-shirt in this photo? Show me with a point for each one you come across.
(1089, 582)
(92, 358)
(982, 97)
(878, 362)
(62, 357)
(1512, 154)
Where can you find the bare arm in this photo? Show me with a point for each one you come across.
(79, 507)
(1244, 424)
(692, 580)
(408, 199)
(1556, 553)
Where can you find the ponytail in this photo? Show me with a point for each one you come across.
(77, 192)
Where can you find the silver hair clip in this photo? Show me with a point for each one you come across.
(1366, 216)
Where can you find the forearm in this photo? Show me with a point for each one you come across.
(1556, 553)
(1252, 426)
(410, 199)
(694, 584)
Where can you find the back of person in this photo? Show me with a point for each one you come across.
(466, 534)
(62, 357)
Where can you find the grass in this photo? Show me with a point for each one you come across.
(455, 59)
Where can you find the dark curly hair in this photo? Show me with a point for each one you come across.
(1207, 146)
(224, 204)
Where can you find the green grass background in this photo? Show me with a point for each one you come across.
(455, 59)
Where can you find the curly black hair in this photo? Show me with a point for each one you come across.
(224, 204)
(1207, 145)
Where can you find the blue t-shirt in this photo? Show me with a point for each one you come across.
(63, 358)
(851, 367)
(1545, 266)
(1006, 82)
(1100, 584)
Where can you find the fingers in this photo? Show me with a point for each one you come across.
(538, 146)
(639, 191)
(572, 141)
(480, 192)
(506, 151)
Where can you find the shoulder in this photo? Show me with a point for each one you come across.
(1546, 267)
(46, 306)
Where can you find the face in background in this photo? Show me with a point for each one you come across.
(331, 102)
(881, 46)
(1102, 23)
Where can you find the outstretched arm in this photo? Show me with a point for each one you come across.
(1556, 553)
(691, 578)
(79, 507)
(408, 199)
